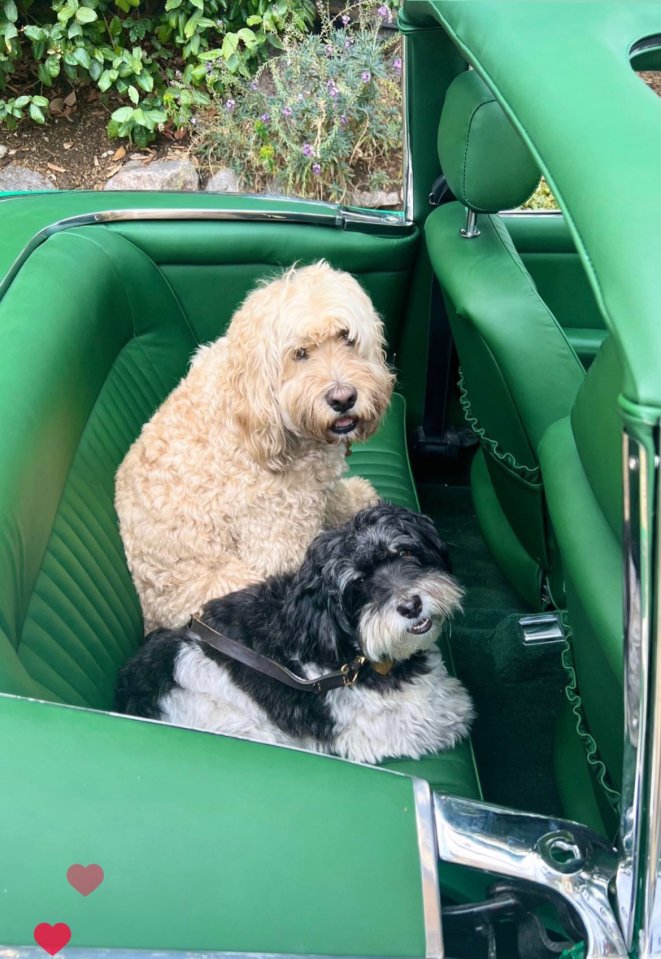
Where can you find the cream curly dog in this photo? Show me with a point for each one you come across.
(241, 467)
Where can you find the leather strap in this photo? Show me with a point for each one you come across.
(346, 675)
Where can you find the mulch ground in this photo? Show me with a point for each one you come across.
(73, 149)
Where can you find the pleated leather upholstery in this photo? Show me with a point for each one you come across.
(94, 339)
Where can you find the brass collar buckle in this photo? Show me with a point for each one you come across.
(351, 671)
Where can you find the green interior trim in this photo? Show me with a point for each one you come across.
(507, 459)
(597, 767)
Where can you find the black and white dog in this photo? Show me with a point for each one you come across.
(379, 587)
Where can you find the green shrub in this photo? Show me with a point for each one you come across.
(135, 50)
(314, 118)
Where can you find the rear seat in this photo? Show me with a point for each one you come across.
(105, 343)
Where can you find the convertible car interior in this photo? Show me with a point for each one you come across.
(504, 428)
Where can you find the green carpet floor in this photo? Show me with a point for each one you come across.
(517, 691)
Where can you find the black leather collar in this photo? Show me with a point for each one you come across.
(346, 675)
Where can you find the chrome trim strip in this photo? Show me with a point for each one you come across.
(566, 857)
(648, 43)
(407, 155)
(93, 952)
(638, 884)
(636, 669)
(431, 896)
(328, 216)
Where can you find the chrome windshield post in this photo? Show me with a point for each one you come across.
(638, 886)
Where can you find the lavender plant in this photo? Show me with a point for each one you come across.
(320, 118)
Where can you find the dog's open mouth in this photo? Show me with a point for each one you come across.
(344, 425)
(422, 626)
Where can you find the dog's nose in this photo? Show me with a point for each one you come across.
(341, 398)
(410, 607)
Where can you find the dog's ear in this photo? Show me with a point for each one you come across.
(254, 371)
(425, 529)
(315, 606)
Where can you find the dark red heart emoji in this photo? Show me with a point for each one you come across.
(52, 938)
(85, 879)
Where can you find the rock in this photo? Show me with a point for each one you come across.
(3, 151)
(376, 199)
(166, 174)
(275, 188)
(16, 177)
(223, 181)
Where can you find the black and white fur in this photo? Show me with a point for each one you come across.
(377, 586)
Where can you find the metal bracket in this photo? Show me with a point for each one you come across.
(541, 629)
(562, 856)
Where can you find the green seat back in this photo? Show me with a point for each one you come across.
(581, 462)
(105, 342)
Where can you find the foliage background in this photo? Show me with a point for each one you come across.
(135, 51)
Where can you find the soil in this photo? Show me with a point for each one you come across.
(73, 149)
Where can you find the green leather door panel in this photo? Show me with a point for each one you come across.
(207, 843)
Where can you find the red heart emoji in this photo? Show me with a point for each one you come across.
(85, 879)
(52, 938)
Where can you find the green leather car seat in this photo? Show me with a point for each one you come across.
(519, 373)
(581, 461)
(92, 339)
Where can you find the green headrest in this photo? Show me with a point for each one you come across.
(487, 165)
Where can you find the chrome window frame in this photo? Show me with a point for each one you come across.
(638, 881)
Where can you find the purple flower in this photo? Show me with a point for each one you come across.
(346, 20)
(397, 65)
(287, 111)
(366, 76)
(265, 118)
(384, 12)
(307, 150)
(332, 88)
(229, 105)
(328, 50)
(254, 85)
(316, 169)
(343, 120)
(348, 43)
(208, 66)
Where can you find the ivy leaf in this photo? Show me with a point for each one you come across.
(86, 15)
(21, 102)
(53, 66)
(34, 33)
(107, 79)
(230, 45)
(37, 114)
(82, 57)
(11, 13)
(191, 26)
(66, 12)
(122, 115)
(145, 81)
(40, 101)
(134, 95)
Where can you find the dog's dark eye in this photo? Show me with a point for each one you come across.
(349, 340)
(300, 354)
(405, 553)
